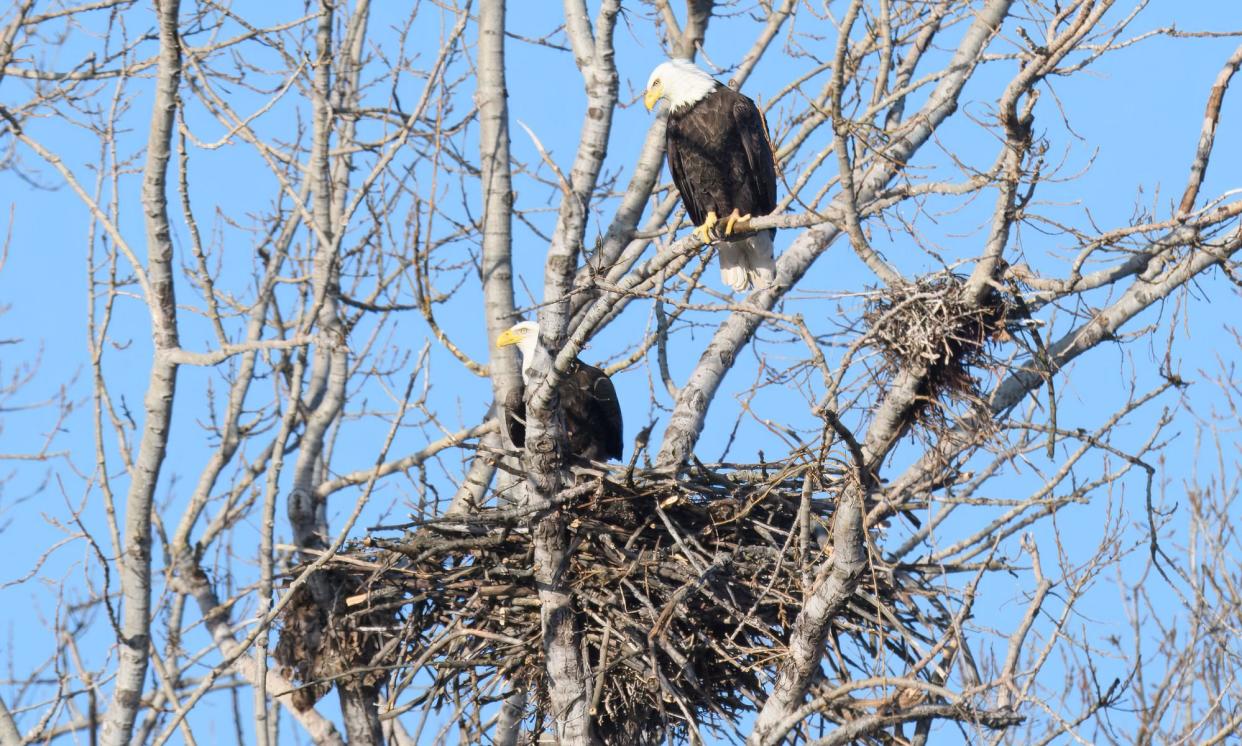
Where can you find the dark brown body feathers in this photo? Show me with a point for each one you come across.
(719, 156)
(593, 422)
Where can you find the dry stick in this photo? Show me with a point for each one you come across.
(224, 139)
(451, 634)
(423, 290)
(776, 19)
(7, 47)
(60, 700)
(216, 617)
(602, 668)
(97, 212)
(893, 99)
(1018, 140)
(1017, 640)
(266, 552)
(833, 589)
(1176, 232)
(1203, 152)
(955, 640)
(1227, 731)
(681, 48)
(165, 683)
(405, 463)
(500, 516)
(622, 235)
(804, 521)
(130, 71)
(838, 693)
(1050, 483)
(884, 32)
(271, 158)
(857, 729)
(686, 42)
(1058, 624)
(848, 198)
(230, 437)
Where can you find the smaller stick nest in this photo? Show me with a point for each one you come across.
(935, 323)
(322, 642)
(685, 587)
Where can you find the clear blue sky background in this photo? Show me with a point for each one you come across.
(1135, 119)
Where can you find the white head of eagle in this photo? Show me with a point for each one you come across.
(680, 82)
(722, 164)
(524, 334)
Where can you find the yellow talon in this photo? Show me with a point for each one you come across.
(737, 223)
(703, 232)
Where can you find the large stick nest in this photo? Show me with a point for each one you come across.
(686, 585)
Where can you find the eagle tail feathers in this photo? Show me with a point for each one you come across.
(762, 263)
(748, 262)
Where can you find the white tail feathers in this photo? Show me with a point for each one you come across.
(748, 262)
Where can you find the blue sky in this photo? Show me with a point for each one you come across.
(1134, 121)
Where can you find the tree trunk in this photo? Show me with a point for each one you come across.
(135, 561)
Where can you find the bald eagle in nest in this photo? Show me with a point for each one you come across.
(592, 414)
(721, 160)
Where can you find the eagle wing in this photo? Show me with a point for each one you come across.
(515, 415)
(610, 408)
(677, 166)
(753, 132)
(603, 410)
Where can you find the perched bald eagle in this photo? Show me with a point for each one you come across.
(722, 164)
(592, 415)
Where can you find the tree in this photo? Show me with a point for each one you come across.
(313, 216)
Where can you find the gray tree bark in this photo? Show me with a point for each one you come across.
(492, 99)
(9, 735)
(135, 563)
(569, 677)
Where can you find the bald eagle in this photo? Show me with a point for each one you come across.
(592, 415)
(722, 164)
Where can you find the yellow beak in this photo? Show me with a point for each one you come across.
(508, 337)
(652, 95)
